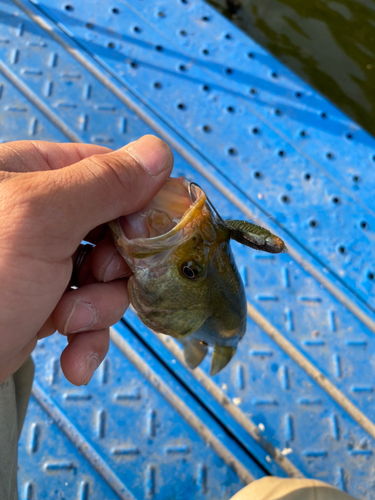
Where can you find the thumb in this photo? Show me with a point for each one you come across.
(103, 187)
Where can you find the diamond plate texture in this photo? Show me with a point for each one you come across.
(65, 473)
(75, 101)
(268, 166)
(19, 114)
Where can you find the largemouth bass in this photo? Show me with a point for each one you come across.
(185, 282)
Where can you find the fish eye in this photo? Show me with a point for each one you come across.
(189, 270)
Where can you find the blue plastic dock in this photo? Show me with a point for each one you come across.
(298, 398)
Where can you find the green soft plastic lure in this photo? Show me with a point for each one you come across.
(254, 236)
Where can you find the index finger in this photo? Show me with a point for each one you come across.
(35, 156)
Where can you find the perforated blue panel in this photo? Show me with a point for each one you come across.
(298, 396)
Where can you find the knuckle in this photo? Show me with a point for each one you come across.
(119, 171)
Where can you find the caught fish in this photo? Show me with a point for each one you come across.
(185, 282)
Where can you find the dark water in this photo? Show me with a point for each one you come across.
(330, 44)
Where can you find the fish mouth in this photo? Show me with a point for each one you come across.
(161, 223)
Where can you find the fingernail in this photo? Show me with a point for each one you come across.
(92, 363)
(152, 153)
(81, 317)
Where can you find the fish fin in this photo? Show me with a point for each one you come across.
(221, 357)
(194, 352)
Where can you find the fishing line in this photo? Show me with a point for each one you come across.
(207, 198)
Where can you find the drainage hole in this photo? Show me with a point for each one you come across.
(69, 8)
(157, 85)
(342, 249)
(335, 200)
(313, 223)
(232, 151)
(356, 178)
(115, 10)
(257, 175)
(371, 276)
(307, 177)
(285, 198)
(363, 224)
(181, 105)
(206, 128)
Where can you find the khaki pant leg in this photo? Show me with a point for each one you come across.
(275, 488)
(14, 398)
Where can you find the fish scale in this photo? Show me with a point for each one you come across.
(314, 296)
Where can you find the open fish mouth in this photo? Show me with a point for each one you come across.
(185, 282)
(159, 225)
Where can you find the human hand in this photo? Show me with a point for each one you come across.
(53, 196)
